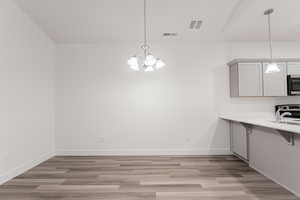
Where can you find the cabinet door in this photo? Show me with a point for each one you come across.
(275, 84)
(293, 68)
(250, 79)
(239, 143)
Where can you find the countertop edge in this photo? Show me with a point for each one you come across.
(263, 123)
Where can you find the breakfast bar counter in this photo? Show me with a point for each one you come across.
(268, 121)
(269, 147)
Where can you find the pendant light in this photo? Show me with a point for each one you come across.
(148, 62)
(272, 67)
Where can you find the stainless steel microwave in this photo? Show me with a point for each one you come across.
(293, 85)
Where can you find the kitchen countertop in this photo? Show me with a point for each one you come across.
(264, 120)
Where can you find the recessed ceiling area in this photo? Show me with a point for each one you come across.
(92, 21)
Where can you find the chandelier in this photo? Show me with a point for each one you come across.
(147, 61)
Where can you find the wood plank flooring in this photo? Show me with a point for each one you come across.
(143, 178)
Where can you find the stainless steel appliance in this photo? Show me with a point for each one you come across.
(293, 85)
(294, 109)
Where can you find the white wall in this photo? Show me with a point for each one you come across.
(27, 59)
(102, 107)
(105, 108)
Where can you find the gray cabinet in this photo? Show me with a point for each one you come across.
(274, 157)
(246, 79)
(239, 140)
(275, 84)
(268, 152)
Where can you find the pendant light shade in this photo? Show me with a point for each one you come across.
(150, 60)
(149, 69)
(147, 62)
(133, 63)
(159, 64)
(272, 67)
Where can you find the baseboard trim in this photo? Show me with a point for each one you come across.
(275, 180)
(142, 152)
(24, 167)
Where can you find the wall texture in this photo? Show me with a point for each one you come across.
(27, 59)
(105, 108)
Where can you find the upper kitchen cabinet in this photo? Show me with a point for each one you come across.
(246, 79)
(293, 68)
(275, 84)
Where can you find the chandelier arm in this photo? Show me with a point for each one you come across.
(145, 52)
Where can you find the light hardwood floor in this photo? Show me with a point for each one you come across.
(143, 178)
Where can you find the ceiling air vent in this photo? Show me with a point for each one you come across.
(170, 34)
(195, 24)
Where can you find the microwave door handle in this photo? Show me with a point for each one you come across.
(289, 85)
(295, 92)
(294, 76)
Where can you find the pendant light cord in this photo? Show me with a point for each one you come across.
(146, 47)
(270, 37)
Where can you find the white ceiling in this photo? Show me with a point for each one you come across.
(92, 21)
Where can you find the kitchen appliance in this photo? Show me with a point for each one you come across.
(293, 85)
(294, 109)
